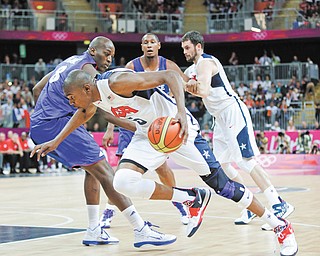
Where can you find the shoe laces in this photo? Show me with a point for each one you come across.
(107, 214)
(149, 224)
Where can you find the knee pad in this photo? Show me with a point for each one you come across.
(229, 170)
(131, 184)
(247, 164)
(223, 186)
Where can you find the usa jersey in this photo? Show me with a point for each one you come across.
(52, 102)
(221, 93)
(162, 66)
(143, 108)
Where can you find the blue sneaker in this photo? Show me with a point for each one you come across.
(196, 209)
(147, 236)
(183, 211)
(106, 218)
(98, 236)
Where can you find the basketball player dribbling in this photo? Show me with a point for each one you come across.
(134, 96)
(148, 62)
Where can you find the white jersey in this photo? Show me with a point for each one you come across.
(221, 93)
(233, 131)
(143, 108)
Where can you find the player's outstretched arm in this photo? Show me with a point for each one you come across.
(125, 83)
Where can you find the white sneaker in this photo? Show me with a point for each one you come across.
(281, 210)
(286, 239)
(106, 218)
(148, 236)
(246, 217)
(98, 236)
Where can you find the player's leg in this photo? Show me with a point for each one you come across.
(166, 176)
(190, 155)
(140, 157)
(109, 212)
(279, 207)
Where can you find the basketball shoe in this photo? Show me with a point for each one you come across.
(183, 211)
(246, 217)
(281, 210)
(286, 238)
(196, 209)
(148, 236)
(106, 218)
(98, 236)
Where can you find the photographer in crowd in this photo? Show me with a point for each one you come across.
(283, 142)
(304, 143)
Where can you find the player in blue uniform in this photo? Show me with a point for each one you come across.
(53, 111)
(148, 62)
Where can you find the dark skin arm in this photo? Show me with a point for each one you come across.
(36, 90)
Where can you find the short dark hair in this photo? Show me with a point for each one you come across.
(151, 34)
(195, 38)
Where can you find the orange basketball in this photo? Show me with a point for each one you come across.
(164, 135)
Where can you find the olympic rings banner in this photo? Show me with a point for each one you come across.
(135, 37)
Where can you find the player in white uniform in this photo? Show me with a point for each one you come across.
(234, 139)
(134, 96)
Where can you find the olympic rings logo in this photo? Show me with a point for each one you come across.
(266, 160)
(60, 36)
(260, 36)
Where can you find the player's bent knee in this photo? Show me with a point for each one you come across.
(223, 186)
(131, 184)
(247, 165)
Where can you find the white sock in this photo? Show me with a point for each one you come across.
(133, 217)
(271, 219)
(181, 195)
(93, 215)
(272, 195)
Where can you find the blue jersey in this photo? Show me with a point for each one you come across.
(162, 66)
(52, 102)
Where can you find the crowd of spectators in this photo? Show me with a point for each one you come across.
(309, 15)
(272, 106)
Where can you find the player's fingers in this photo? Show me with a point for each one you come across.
(35, 149)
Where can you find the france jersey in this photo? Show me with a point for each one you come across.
(52, 102)
(162, 66)
(143, 108)
(52, 113)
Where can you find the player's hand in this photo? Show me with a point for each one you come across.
(192, 86)
(43, 149)
(107, 138)
(182, 119)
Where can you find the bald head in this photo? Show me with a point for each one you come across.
(100, 42)
(76, 79)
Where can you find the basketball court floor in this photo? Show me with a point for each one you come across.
(46, 215)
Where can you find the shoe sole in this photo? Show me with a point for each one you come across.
(206, 201)
(154, 243)
(88, 243)
(290, 254)
(287, 214)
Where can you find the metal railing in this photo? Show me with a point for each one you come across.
(239, 74)
(118, 22)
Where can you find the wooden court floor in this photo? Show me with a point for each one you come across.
(57, 201)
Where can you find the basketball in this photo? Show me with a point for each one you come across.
(164, 135)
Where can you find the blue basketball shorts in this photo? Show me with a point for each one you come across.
(78, 149)
(124, 139)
